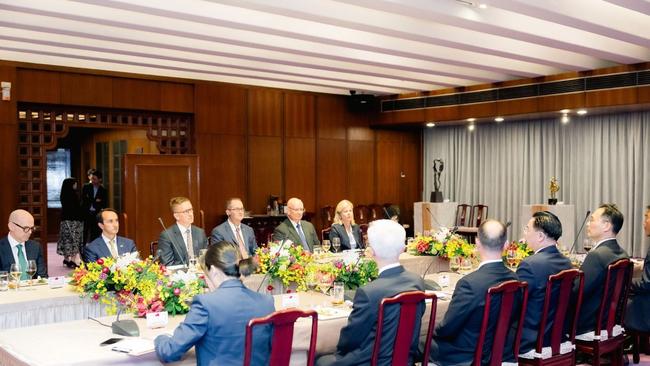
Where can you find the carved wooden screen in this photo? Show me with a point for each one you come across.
(40, 126)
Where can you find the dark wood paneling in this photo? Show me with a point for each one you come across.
(361, 172)
(478, 110)
(644, 94)
(560, 102)
(299, 115)
(411, 181)
(264, 171)
(265, 112)
(91, 90)
(442, 114)
(388, 161)
(332, 116)
(220, 109)
(8, 108)
(520, 106)
(8, 165)
(136, 94)
(332, 171)
(409, 116)
(38, 86)
(388, 135)
(611, 97)
(300, 170)
(176, 97)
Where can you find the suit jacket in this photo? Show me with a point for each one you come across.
(88, 198)
(536, 270)
(637, 315)
(286, 230)
(32, 251)
(595, 269)
(216, 326)
(171, 246)
(454, 339)
(98, 248)
(358, 336)
(224, 232)
(338, 231)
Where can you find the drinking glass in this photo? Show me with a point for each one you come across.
(587, 245)
(326, 245)
(338, 292)
(31, 271)
(4, 281)
(15, 273)
(511, 258)
(192, 264)
(465, 265)
(454, 264)
(324, 283)
(336, 243)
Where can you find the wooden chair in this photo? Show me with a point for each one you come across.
(507, 291)
(375, 212)
(408, 303)
(611, 312)
(364, 234)
(558, 290)
(327, 216)
(636, 336)
(479, 214)
(360, 214)
(463, 215)
(325, 234)
(282, 339)
(153, 248)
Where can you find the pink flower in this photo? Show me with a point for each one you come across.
(95, 296)
(138, 269)
(269, 288)
(177, 291)
(289, 291)
(338, 265)
(100, 261)
(106, 270)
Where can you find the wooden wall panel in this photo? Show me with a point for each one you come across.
(361, 172)
(264, 171)
(8, 108)
(441, 114)
(136, 94)
(176, 97)
(8, 165)
(611, 97)
(90, 90)
(332, 171)
(409, 116)
(299, 115)
(332, 116)
(300, 170)
(411, 181)
(38, 86)
(519, 106)
(220, 109)
(388, 162)
(644, 94)
(265, 112)
(478, 110)
(560, 102)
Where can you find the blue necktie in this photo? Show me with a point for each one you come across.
(302, 237)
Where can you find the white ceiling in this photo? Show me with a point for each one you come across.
(332, 46)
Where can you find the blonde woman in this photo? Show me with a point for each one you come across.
(344, 227)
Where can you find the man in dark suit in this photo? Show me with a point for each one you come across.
(234, 231)
(357, 338)
(637, 316)
(454, 340)
(602, 227)
(182, 241)
(17, 248)
(541, 233)
(296, 229)
(94, 198)
(108, 244)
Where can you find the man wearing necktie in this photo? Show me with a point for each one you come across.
(108, 244)
(294, 228)
(235, 231)
(182, 241)
(16, 246)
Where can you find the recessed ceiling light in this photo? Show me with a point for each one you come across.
(431, 124)
(471, 119)
(565, 119)
(582, 112)
(470, 127)
(565, 111)
(498, 119)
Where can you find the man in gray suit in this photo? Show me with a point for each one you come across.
(296, 229)
(233, 231)
(181, 241)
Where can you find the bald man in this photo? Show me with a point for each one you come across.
(294, 228)
(17, 248)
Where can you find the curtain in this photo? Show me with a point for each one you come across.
(596, 159)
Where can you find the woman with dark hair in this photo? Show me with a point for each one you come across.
(216, 323)
(70, 244)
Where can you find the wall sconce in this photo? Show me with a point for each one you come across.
(6, 90)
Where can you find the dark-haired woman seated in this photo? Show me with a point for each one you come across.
(216, 323)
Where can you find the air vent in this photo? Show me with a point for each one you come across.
(443, 100)
(564, 86)
(525, 91)
(413, 103)
(644, 78)
(611, 81)
(478, 97)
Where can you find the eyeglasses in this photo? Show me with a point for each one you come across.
(238, 209)
(26, 229)
(297, 209)
(187, 212)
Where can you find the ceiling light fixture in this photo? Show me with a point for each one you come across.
(565, 119)
(582, 112)
(471, 119)
(482, 6)
(565, 111)
(498, 119)
(431, 124)
(471, 127)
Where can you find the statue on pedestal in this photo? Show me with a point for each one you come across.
(554, 187)
(438, 167)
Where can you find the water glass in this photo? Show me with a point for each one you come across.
(337, 293)
(336, 243)
(15, 273)
(4, 280)
(586, 245)
(326, 245)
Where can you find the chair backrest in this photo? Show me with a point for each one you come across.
(327, 216)
(375, 212)
(325, 234)
(612, 305)
(364, 234)
(508, 292)
(408, 303)
(479, 214)
(360, 214)
(283, 322)
(153, 248)
(558, 291)
(463, 215)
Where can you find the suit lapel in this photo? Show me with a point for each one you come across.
(233, 238)
(6, 250)
(181, 241)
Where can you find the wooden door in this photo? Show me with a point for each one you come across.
(149, 183)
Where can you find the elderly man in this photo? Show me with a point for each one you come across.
(108, 244)
(234, 231)
(296, 229)
(455, 337)
(357, 338)
(602, 228)
(17, 248)
(541, 233)
(182, 241)
(637, 316)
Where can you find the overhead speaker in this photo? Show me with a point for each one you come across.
(361, 102)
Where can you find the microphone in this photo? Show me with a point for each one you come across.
(508, 224)
(266, 275)
(127, 327)
(580, 231)
(430, 285)
(173, 242)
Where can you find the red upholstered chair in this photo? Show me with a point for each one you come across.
(479, 214)
(408, 303)
(283, 322)
(360, 214)
(325, 234)
(562, 283)
(508, 292)
(375, 212)
(636, 336)
(463, 215)
(327, 216)
(153, 248)
(610, 313)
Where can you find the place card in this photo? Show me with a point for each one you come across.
(56, 282)
(157, 320)
(290, 300)
(443, 280)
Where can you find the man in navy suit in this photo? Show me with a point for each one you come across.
(541, 233)
(357, 338)
(454, 340)
(94, 198)
(182, 241)
(637, 316)
(16, 246)
(108, 244)
(602, 227)
(234, 231)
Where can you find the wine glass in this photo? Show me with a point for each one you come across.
(587, 245)
(511, 258)
(324, 283)
(454, 264)
(326, 245)
(465, 265)
(31, 271)
(15, 273)
(336, 243)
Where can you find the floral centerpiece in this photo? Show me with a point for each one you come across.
(357, 274)
(443, 243)
(286, 264)
(140, 286)
(520, 249)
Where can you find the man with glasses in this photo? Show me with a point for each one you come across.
(182, 241)
(234, 231)
(296, 229)
(16, 246)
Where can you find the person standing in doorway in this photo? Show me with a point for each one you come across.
(94, 198)
(70, 242)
